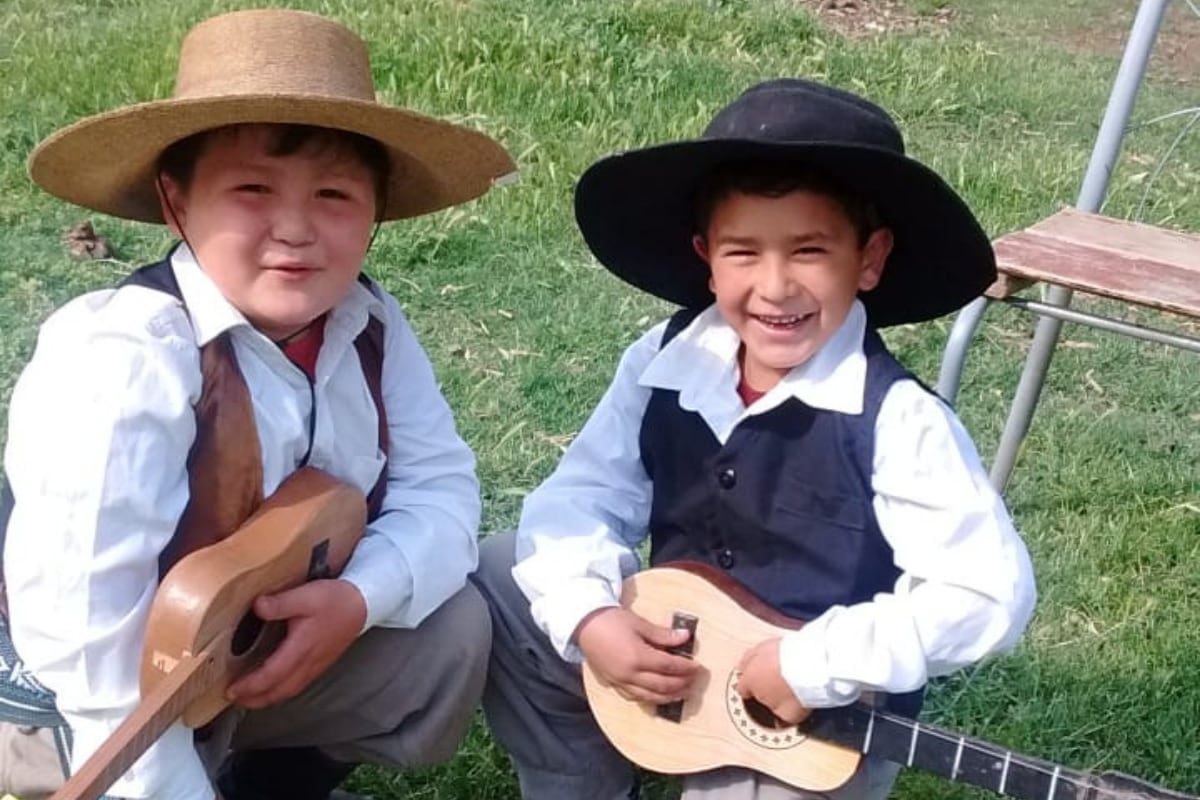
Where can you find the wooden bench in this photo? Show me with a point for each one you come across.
(1127, 261)
(1075, 250)
(1071, 251)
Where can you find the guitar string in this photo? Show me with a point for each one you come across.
(1027, 762)
(1055, 772)
(1040, 767)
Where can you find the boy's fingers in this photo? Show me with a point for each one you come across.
(642, 696)
(273, 672)
(660, 636)
(281, 605)
(268, 607)
(650, 687)
(662, 663)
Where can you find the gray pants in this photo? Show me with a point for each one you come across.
(399, 698)
(536, 709)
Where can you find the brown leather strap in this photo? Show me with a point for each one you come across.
(225, 474)
(370, 355)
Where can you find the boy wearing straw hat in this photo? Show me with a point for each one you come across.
(154, 417)
(764, 430)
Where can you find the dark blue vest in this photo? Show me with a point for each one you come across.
(784, 506)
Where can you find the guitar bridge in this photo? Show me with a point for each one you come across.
(688, 622)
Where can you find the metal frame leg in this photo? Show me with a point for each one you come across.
(1091, 196)
(965, 325)
(1029, 389)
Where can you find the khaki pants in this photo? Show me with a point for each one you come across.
(30, 765)
(537, 710)
(397, 698)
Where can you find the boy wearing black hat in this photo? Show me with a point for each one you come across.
(770, 434)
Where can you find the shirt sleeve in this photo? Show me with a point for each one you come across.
(100, 424)
(966, 590)
(420, 549)
(579, 528)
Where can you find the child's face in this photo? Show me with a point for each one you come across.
(282, 237)
(785, 271)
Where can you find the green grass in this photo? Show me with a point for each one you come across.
(525, 329)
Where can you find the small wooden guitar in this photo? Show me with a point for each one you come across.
(715, 728)
(202, 634)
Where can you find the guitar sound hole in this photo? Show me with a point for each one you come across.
(762, 715)
(246, 634)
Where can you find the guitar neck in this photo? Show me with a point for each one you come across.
(187, 681)
(961, 758)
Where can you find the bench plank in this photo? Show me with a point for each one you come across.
(1126, 261)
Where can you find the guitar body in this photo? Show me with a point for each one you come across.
(715, 728)
(308, 528)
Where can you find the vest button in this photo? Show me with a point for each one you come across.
(727, 478)
(725, 559)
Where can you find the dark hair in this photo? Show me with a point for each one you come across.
(776, 178)
(178, 161)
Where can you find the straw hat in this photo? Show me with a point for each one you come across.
(265, 66)
(636, 214)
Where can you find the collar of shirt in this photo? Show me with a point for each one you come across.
(701, 363)
(212, 314)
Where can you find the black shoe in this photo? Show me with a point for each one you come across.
(293, 773)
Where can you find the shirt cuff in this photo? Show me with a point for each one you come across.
(382, 576)
(804, 663)
(559, 612)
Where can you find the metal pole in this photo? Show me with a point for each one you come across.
(1091, 196)
(1130, 329)
(965, 324)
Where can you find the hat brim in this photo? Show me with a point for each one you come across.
(635, 212)
(108, 162)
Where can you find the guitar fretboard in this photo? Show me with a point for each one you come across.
(187, 681)
(959, 758)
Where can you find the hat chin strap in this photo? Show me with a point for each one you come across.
(374, 233)
(381, 202)
(162, 192)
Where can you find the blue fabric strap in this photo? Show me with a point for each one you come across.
(23, 700)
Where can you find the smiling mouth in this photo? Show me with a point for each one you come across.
(781, 322)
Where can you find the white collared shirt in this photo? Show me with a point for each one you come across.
(966, 588)
(100, 425)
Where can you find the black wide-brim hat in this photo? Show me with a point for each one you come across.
(636, 213)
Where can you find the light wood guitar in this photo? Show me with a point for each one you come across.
(714, 727)
(202, 634)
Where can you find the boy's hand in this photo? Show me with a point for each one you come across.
(762, 679)
(627, 652)
(323, 617)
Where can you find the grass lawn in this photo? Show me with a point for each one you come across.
(1003, 97)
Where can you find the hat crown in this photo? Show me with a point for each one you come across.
(271, 52)
(796, 111)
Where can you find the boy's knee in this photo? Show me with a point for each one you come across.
(465, 621)
(473, 620)
(447, 653)
(497, 555)
(30, 764)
